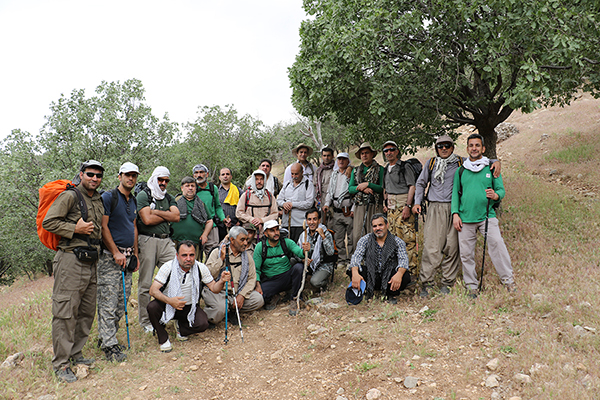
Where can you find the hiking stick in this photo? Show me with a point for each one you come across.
(125, 304)
(237, 311)
(305, 267)
(487, 215)
(226, 307)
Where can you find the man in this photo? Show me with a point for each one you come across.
(323, 175)
(257, 204)
(366, 185)
(474, 193)
(399, 191)
(340, 200)
(74, 291)
(194, 223)
(233, 254)
(271, 182)
(274, 272)
(251, 229)
(176, 291)
(209, 194)
(301, 152)
(380, 259)
(229, 195)
(297, 196)
(120, 237)
(156, 211)
(440, 247)
(320, 247)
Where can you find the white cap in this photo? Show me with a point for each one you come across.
(129, 167)
(343, 155)
(271, 224)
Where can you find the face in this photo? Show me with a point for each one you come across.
(312, 220)
(379, 227)
(326, 157)
(260, 181)
(200, 176)
(343, 163)
(265, 167)
(186, 256)
(239, 243)
(251, 235)
(297, 173)
(445, 149)
(475, 149)
(91, 182)
(128, 179)
(366, 156)
(302, 154)
(225, 176)
(272, 234)
(163, 181)
(391, 153)
(188, 190)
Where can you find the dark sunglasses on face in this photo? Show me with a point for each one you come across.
(164, 180)
(389, 149)
(92, 174)
(444, 146)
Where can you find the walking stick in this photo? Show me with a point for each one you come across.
(305, 229)
(237, 311)
(487, 214)
(226, 307)
(125, 303)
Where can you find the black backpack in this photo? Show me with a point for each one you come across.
(335, 256)
(143, 186)
(287, 253)
(114, 198)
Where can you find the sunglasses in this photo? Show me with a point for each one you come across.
(164, 180)
(389, 149)
(92, 174)
(443, 146)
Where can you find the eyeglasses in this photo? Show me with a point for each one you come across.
(389, 149)
(98, 175)
(444, 146)
(164, 180)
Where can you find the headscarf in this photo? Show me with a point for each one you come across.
(157, 193)
(477, 165)
(259, 193)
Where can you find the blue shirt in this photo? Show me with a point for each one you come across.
(121, 219)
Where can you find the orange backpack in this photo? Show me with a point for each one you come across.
(48, 193)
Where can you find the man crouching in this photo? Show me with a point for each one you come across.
(176, 290)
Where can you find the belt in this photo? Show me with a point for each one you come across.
(155, 235)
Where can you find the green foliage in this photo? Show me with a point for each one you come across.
(365, 366)
(421, 68)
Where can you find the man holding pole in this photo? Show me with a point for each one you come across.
(475, 191)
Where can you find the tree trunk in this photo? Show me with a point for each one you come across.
(487, 130)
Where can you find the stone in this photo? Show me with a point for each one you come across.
(580, 330)
(522, 378)
(47, 397)
(330, 306)
(398, 380)
(422, 310)
(81, 371)
(193, 368)
(341, 398)
(12, 361)
(493, 364)
(142, 388)
(373, 394)
(492, 381)
(496, 396)
(362, 320)
(581, 367)
(590, 329)
(536, 368)
(340, 391)
(411, 382)
(315, 300)
(505, 130)
(276, 355)
(514, 398)
(553, 172)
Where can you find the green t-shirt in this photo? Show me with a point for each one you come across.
(472, 205)
(163, 205)
(274, 265)
(188, 228)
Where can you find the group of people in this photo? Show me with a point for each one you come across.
(260, 241)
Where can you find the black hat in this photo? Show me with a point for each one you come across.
(354, 296)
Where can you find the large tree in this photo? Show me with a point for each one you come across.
(412, 69)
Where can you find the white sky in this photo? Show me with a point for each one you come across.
(187, 53)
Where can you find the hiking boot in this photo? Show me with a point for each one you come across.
(473, 293)
(272, 304)
(391, 300)
(114, 353)
(413, 281)
(511, 287)
(65, 375)
(81, 360)
(232, 318)
(424, 292)
(166, 347)
(179, 336)
(445, 289)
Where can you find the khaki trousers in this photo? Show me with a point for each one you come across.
(405, 230)
(343, 226)
(359, 215)
(215, 304)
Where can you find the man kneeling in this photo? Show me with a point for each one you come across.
(380, 259)
(176, 291)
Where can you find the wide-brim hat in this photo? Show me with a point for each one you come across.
(365, 145)
(354, 296)
(301, 145)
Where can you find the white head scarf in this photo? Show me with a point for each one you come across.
(259, 193)
(157, 193)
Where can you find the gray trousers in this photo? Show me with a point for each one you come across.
(212, 241)
(215, 304)
(154, 252)
(320, 278)
(342, 226)
(359, 215)
(440, 247)
(499, 256)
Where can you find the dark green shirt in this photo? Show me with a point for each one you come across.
(162, 205)
(188, 228)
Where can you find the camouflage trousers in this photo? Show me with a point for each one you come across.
(111, 306)
(405, 230)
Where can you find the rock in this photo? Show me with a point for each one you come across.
(496, 396)
(261, 323)
(553, 172)
(341, 398)
(12, 361)
(133, 302)
(315, 300)
(536, 367)
(332, 346)
(312, 327)
(398, 380)
(81, 371)
(514, 398)
(373, 394)
(492, 381)
(522, 378)
(590, 329)
(276, 355)
(142, 388)
(411, 382)
(581, 367)
(493, 364)
(416, 357)
(505, 130)
(544, 136)
(362, 320)
(422, 310)
(330, 306)
(193, 368)
(340, 390)
(580, 330)
(47, 397)
(579, 176)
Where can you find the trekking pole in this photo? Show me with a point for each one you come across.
(226, 307)
(487, 214)
(125, 304)
(237, 311)
(305, 267)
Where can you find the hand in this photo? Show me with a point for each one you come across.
(490, 194)
(239, 299)
(396, 279)
(287, 206)
(352, 214)
(256, 221)
(226, 276)
(177, 302)
(356, 278)
(306, 246)
(227, 221)
(203, 239)
(362, 186)
(258, 288)
(348, 172)
(457, 222)
(320, 232)
(496, 169)
(138, 263)
(385, 209)
(368, 191)
(120, 259)
(84, 228)
(405, 213)
(325, 209)
(416, 209)
(223, 253)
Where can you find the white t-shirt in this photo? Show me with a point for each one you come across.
(186, 285)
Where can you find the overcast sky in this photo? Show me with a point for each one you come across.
(186, 53)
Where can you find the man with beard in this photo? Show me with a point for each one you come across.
(229, 195)
(193, 222)
(209, 194)
(301, 152)
(156, 211)
(297, 196)
(257, 205)
(380, 259)
(272, 184)
(323, 175)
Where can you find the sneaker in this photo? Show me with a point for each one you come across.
(392, 300)
(114, 353)
(424, 292)
(445, 289)
(272, 304)
(413, 281)
(511, 288)
(81, 360)
(179, 337)
(473, 293)
(166, 347)
(65, 375)
(148, 329)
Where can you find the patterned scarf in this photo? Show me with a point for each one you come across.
(174, 289)
(379, 262)
(316, 254)
(319, 173)
(372, 176)
(441, 165)
(199, 213)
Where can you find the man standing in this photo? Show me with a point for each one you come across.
(120, 237)
(234, 255)
(297, 196)
(176, 291)
(209, 194)
(228, 198)
(156, 211)
(474, 193)
(257, 204)
(399, 189)
(366, 184)
(301, 152)
(323, 175)
(193, 224)
(380, 259)
(74, 291)
(271, 182)
(340, 200)
(274, 273)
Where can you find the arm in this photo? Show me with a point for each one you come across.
(352, 185)
(217, 286)
(176, 302)
(294, 248)
(241, 211)
(327, 242)
(218, 208)
(375, 187)
(207, 228)
(107, 238)
(409, 201)
(456, 220)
